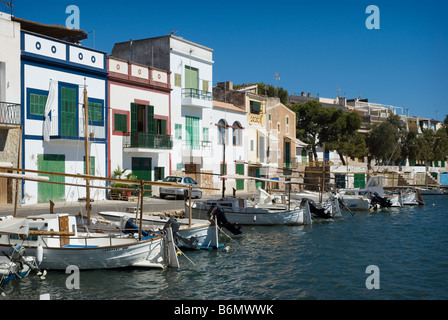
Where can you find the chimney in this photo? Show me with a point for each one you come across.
(309, 94)
(302, 94)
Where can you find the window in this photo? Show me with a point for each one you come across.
(205, 85)
(205, 136)
(159, 173)
(252, 145)
(178, 131)
(223, 169)
(91, 166)
(37, 102)
(237, 133)
(69, 110)
(192, 132)
(177, 80)
(222, 131)
(191, 78)
(255, 107)
(95, 112)
(120, 123)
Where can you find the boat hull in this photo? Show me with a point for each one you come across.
(294, 217)
(86, 258)
(205, 232)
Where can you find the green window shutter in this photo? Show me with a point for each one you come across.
(37, 104)
(240, 170)
(120, 122)
(95, 112)
(177, 80)
(255, 107)
(223, 169)
(163, 127)
(205, 85)
(133, 117)
(152, 125)
(91, 166)
(205, 134)
(69, 104)
(191, 78)
(192, 132)
(178, 131)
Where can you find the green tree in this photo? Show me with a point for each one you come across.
(267, 90)
(309, 116)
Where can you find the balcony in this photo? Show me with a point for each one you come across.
(73, 129)
(196, 98)
(194, 151)
(9, 114)
(141, 140)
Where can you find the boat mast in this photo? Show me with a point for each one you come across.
(86, 145)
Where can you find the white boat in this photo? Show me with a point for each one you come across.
(63, 246)
(431, 191)
(364, 199)
(192, 234)
(237, 211)
(15, 264)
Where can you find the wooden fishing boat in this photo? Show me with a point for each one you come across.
(62, 246)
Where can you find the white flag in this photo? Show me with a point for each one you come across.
(51, 100)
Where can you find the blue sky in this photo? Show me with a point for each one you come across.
(315, 46)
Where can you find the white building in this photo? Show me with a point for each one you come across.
(227, 133)
(140, 137)
(191, 67)
(54, 75)
(9, 102)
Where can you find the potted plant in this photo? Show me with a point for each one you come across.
(121, 174)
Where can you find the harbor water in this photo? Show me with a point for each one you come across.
(408, 248)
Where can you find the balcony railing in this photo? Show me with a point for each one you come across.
(197, 94)
(74, 129)
(148, 141)
(9, 113)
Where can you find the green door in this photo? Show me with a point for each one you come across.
(49, 191)
(141, 167)
(360, 180)
(192, 132)
(258, 183)
(69, 106)
(287, 154)
(240, 170)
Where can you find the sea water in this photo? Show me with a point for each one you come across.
(407, 249)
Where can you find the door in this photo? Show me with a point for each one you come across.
(63, 227)
(340, 180)
(287, 154)
(360, 180)
(49, 191)
(142, 167)
(69, 112)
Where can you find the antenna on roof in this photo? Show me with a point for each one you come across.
(173, 32)
(8, 4)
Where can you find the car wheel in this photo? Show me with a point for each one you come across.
(162, 196)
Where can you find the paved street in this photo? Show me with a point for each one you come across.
(149, 205)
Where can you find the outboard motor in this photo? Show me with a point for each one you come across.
(377, 200)
(128, 226)
(222, 220)
(317, 211)
(175, 225)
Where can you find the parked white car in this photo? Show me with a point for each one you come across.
(180, 192)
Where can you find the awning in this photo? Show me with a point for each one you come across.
(16, 226)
